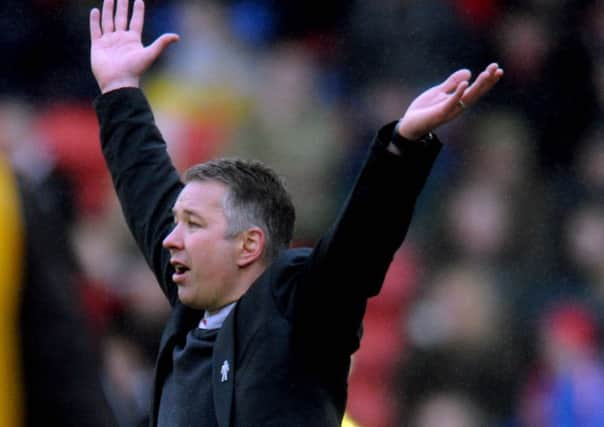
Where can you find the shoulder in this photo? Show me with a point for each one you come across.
(291, 258)
(286, 268)
(279, 280)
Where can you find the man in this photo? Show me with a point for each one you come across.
(259, 335)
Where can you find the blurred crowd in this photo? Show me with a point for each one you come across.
(493, 309)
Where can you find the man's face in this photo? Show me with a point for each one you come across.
(204, 260)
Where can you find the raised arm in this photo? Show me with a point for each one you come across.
(117, 55)
(145, 180)
(350, 262)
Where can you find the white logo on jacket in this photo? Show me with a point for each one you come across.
(224, 372)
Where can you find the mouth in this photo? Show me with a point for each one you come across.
(180, 272)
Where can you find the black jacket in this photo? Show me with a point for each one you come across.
(289, 339)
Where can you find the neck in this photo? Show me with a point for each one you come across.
(246, 277)
(249, 275)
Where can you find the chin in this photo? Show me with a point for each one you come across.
(189, 300)
(185, 297)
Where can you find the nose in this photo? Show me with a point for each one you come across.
(174, 239)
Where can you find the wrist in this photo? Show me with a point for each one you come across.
(399, 142)
(119, 84)
(408, 134)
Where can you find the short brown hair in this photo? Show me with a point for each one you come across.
(256, 197)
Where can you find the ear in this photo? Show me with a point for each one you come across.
(252, 242)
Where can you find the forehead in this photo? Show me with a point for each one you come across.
(201, 196)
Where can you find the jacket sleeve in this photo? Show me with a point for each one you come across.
(349, 263)
(144, 177)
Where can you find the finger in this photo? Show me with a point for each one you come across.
(160, 44)
(484, 82)
(121, 15)
(107, 18)
(454, 79)
(95, 24)
(479, 89)
(452, 104)
(493, 68)
(493, 72)
(138, 17)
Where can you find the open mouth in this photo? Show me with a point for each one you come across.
(180, 271)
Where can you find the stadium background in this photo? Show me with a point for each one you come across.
(491, 313)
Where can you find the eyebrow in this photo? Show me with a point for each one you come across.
(185, 211)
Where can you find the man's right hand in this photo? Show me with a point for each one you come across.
(117, 55)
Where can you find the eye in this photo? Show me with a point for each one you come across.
(193, 224)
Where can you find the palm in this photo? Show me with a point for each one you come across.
(117, 55)
(430, 109)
